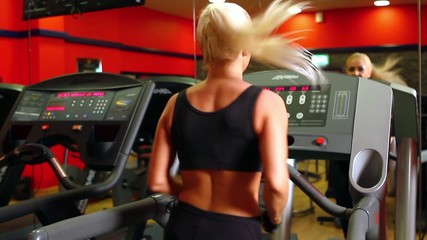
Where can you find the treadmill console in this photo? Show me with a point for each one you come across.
(307, 105)
(320, 115)
(76, 105)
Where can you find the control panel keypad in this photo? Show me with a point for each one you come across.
(319, 103)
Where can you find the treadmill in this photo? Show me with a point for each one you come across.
(94, 114)
(332, 120)
(351, 118)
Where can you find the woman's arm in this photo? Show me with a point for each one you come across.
(163, 155)
(271, 122)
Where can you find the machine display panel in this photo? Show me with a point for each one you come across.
(307, 105)
(76, 105)
(82, 105)
(30, 106)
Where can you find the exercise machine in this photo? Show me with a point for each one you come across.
(95, 114)
(331, 120)
(8, 95)
(351, 118)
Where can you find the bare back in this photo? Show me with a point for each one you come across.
(229, 192)
(234, 193)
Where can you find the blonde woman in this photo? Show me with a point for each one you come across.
(360, 65)
(226, 132)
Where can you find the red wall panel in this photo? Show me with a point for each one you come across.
(103, 25)
(11, 15)
(157, 64)
(14, 60)
(357, 27)
(49, 56)
(142, 27)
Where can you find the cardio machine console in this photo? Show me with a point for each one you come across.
(307, 105)
(320, 115)
(76, 105)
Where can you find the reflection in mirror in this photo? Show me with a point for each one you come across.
(335, 29)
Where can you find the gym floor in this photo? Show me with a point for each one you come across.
(305, 225)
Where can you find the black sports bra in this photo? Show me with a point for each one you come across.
(220, 140)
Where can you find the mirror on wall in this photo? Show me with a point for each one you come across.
(335, 29)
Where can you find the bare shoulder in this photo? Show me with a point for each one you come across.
(268, 99)
(269, 108)
(172, 100)
(168, 111)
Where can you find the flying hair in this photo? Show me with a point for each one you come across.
(226, 29)
(386, 72)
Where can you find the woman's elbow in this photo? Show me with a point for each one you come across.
(280, 187)
(158, 187)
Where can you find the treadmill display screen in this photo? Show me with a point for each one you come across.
(60, 105)
(79, 94)
(291, 88)
(77, 106)
(307, 105)
(84, 105)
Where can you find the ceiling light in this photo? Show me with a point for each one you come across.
(216, 1)
(294, 10)
(381, 3)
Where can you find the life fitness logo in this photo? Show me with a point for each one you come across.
(282, 77)
(162, 91)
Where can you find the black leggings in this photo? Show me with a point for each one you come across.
(190, 223)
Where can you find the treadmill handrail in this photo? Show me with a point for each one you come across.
(321, 200)
(87, 226)
(30, 206)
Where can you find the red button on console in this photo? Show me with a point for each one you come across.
(320, 141)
